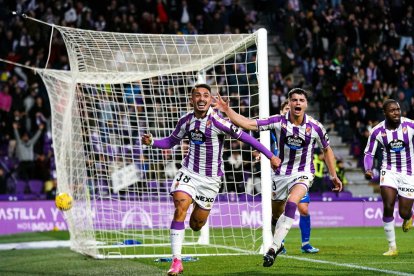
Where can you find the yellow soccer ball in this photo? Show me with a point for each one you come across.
(63, 201)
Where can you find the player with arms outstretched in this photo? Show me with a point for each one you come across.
(303, 206)
(395, 135)
(297, 135)
(199, 178)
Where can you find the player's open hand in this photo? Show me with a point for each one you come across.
(220, 104)
(337, 184)
(275, 162)
(146, 139)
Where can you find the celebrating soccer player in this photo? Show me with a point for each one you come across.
(303, 206)
(199, 178)
(297, 135)
(395, 135)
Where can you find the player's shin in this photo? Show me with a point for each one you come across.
(177, 232)
(284, 224)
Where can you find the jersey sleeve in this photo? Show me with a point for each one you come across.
(230, 129)
(268, 123)
(372, 143)
(322, 135)
(176, 136)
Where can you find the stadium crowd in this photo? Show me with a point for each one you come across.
(352, 54)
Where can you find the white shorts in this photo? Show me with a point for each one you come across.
(403, 183)
(202, 189)
(281, 184)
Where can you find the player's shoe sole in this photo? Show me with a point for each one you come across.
(271, 255)
(391, 252)
(407, 224)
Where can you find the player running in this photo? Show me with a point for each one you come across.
(199, 178)
(395, 135)
(303, 206)
(297, 135)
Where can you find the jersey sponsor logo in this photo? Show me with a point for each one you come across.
(405, 189)
(396, 145)
(205, 199)
(234, 129)
(197, 137)
(301, 178)
(294, 142)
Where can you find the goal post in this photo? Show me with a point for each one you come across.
(120, 86)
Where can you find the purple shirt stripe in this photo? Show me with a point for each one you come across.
(196, 167)
(292, 154)
(209, 152)
(397, 154)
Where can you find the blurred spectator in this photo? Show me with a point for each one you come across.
(3, 182)
(25, 152)
(234, 165)
(5, 100)
(354, 92)
(319, 164)
(340, 121)
(404, 103)
(340, 171)
(406, 29)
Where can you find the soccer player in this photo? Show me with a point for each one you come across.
(297, 135)
(303, 206)
(395, 135)
(199, 178)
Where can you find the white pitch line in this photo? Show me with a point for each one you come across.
(350, 266)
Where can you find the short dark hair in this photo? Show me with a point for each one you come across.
(283, 104)
(299, 91)
(202, 85)
(387, 103)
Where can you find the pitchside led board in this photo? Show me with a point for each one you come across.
(33, 216)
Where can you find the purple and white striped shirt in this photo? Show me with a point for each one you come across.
(206, 137)
(397, 146)
(296, 144)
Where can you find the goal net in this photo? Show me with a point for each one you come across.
(121, 86)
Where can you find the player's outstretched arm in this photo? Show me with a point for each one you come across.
(164, 143)
(246, 138)
(235, 117)
(330, 163)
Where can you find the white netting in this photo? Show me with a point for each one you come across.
(123, 85)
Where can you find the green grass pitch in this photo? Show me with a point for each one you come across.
(343, 251)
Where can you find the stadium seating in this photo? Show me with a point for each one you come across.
(20, 187)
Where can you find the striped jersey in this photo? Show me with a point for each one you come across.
(206, 136)
(295, 144)
(397, 146)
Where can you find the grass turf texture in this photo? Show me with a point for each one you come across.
(353, 250)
